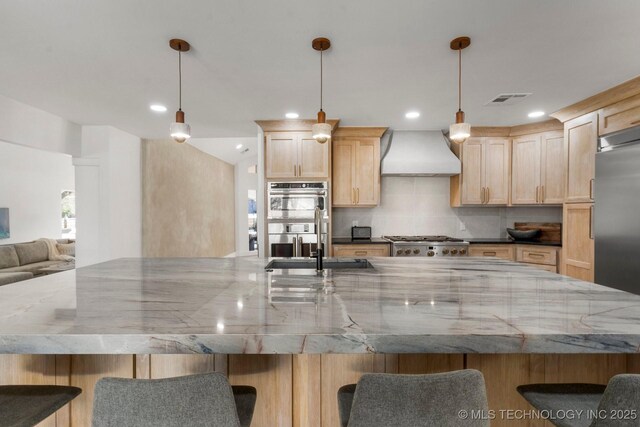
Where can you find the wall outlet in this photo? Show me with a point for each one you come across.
(463, 226)
(354, 223)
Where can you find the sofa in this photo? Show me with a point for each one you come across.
(22, 261)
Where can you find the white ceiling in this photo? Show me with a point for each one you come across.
(105, 61)
(227, 148)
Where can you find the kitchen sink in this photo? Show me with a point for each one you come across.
(328, 264)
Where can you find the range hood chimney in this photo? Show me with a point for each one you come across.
(419, 153)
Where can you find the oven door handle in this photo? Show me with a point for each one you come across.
(295, 193)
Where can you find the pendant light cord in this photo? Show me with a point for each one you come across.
(321, 50)
(459, 77)
(180, 81)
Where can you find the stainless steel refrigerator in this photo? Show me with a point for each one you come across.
(616, 222)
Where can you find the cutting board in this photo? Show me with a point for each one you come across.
(549, 231)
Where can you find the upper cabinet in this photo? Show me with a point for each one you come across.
(538, 169)
(484, 180)
(581, 139)
(622, 115)
(295, 155)
(356, 167)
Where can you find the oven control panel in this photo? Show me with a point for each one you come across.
(430, 250)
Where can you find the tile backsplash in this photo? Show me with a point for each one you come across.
(420, 205)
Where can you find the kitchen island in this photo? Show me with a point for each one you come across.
(280, 330)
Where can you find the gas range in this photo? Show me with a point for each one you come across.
(428, 246)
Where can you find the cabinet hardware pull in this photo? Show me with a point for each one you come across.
(353, 196)
(534, 255)
(361, 252)
(299, 170)
(488, 197)
(358, 195)
(482, 196)
(295, 171)
(489, 253)
(635, 122)
(591, 223)
(591, 182)
(542, 194)
(537, 193)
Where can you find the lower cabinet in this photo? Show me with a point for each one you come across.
(493, 251)
(578, 243)
(542, 257)
(360, 250)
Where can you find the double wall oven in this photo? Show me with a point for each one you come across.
(290, 226)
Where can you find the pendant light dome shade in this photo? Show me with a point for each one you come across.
(179, 130)
(321, 131)
(460, 131)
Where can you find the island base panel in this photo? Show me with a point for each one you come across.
(300, 390)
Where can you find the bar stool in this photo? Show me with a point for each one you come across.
(194, 400)
(27, 405)
(445, 400)
(621, 394)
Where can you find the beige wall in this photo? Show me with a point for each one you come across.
(187, 202)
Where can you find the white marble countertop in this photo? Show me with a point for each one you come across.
(232, 305)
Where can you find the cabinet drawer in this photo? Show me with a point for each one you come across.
(551, 268)
(354, 251)
(496, 251)
(537, 255)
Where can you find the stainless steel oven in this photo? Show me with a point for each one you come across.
(296, 239)
(295, 200)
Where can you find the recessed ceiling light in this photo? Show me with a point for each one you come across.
(239, 146)
(158, 108)
(535, 114)
(291, 115)
(412, 115)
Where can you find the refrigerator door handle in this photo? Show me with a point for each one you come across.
(591, 223)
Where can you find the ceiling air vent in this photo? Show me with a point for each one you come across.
(507, 98)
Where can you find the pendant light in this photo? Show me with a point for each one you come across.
(321, 131)
(180, 131)
(460, 131)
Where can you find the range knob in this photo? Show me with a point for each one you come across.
(463, 251)
(445, 251)
(454, 251)
(407, 251)
(416, 251)
(399, 252)
(431, 253)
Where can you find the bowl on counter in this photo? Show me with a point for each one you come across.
(523, 234)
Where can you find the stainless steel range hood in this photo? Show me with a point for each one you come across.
(419, 153)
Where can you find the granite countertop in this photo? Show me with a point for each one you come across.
(232, 305)
(350, 241)
(506, 240)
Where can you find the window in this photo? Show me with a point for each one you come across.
(68, 214)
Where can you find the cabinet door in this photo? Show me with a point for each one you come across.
(552, 173)
(367, 172)
(472, 175)
(313, 158)
(577, 241)
(282, 155)
(344, 160)
(525, 178)
(497, 163)
(621, 115)
(581, 138)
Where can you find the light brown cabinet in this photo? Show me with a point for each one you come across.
(621, 115)
(537, 175)
(356, 167)
(486, 164)
(494, 251)
(578, 244)
(295, 155)
(581, 139)
(360, 250)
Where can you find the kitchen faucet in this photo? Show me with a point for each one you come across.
(318, 215)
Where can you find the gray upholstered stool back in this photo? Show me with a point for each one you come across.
(196, 400)
(383, 400)
(622, 394)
